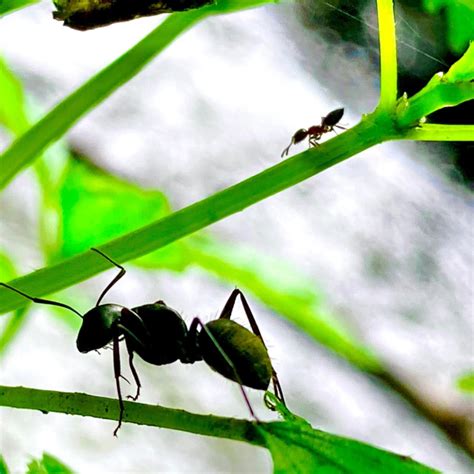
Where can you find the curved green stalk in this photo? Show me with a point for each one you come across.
(137, 413)
(388, 55)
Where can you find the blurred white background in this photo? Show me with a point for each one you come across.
(385, 235)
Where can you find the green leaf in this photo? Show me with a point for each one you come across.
(96, 207)
(465, 382)
(9, 6)
(298, 448)
(463, 69)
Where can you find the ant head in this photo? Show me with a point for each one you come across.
(99, 326)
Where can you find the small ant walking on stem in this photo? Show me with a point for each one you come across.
(315, 132)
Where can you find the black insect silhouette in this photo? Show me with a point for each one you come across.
(315, 132)
(159, 335)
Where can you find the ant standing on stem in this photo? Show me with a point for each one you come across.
(159, 335)
(315, 132)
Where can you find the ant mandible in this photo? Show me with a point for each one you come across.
(159, 335)
(315, 132)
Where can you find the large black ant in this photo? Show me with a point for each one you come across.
(315, 132)
(159, 335)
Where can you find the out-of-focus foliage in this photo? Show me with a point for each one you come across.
(48, 465)
(12, 105)
(3, 466)
(14, 324)
(465, 382)
(9, 6)
(459, 21)
(118, 207)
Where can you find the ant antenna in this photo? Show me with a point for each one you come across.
(42, 301)
(115, 280)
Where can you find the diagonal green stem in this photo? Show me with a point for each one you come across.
(201, 214)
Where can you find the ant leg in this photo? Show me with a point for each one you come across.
(226, 314)
(42, 301)
(135, 375)
(117, 382)
(192, 330)
(125, 378)
(229, 305)
(286, 150)
(115, 280)
(132, 325)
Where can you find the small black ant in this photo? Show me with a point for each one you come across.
(315, 132)
(159, 335)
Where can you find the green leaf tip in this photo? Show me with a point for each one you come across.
(48, 464)
(296, 447)
(463, 68)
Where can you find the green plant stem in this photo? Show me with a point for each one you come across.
(438, 132)
(388, 55)
(373, 129)
(435, 97)
(138, 413)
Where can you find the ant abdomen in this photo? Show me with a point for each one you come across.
(246, 351)
(332, 118)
